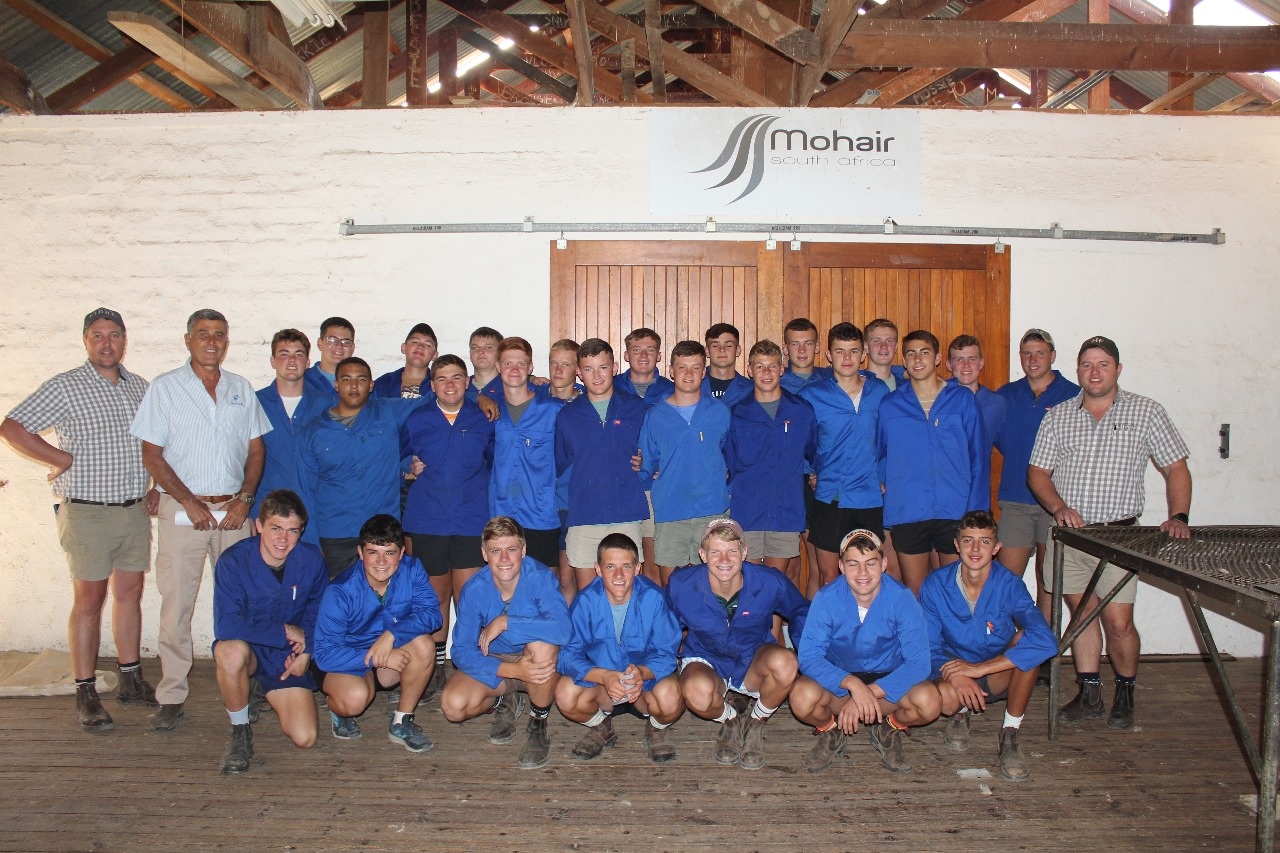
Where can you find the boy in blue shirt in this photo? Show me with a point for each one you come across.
(374, 628)
(621, 655)
(723, 381)
(511, 623)
(266, 593)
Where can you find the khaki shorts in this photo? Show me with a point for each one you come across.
(646, 524)
(676, 543)
(1024, 525)
(1078, 567)
(582, 540)
(98, 539)
(770, 543)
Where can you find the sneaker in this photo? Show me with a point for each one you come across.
(729, 742)
(256, 699)
(1087, 704)
(1013, 766)
(595, 741)
(657, 744)
(888, 742)
(134, 689)
(166, 719)
(751, 753)
(955, 736)
(537, 747)
(830, 744)
(344, 728)
(92, 716)
(435, 684)
(409, 733)
(239, 751)
(1122, 708)
(509, 709)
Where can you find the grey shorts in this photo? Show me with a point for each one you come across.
(99, 539)
(582, 540)
(646, 525)
(770, 543)
(1024, 525)
(1078, 568)
(676, 543)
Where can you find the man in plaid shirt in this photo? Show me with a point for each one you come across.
(102, 515)
(1087, 469)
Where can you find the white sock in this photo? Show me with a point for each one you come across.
(657, 725)
(1012, 722)
(599, 718)
(761, 711)
(964, 709)
(397, 717)
(239, 718)
(727, 714)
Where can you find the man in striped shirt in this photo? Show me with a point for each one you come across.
(1087, 470)
(102, 516)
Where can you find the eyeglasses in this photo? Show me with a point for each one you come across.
(342, 342)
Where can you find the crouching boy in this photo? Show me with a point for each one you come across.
(621, 654)
(375, 627)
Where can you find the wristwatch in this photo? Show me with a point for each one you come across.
(243, 496)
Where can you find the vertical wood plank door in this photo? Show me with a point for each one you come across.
(606, 288)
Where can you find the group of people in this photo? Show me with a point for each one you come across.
(609, 541)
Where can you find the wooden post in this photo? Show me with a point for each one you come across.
(1100, 95)
(1182, 12)
(447, 53)
(377, 56)
(1039, 86)
(415, 81)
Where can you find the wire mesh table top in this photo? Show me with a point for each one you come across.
(1235, 564)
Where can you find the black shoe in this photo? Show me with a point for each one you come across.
(537, 748)
(134, 689)
(1122, 708)
(1086, 706)
(93, 717)
(166, 719)
(239, 751)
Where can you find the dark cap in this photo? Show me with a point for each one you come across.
(1037, 335)
(1099, 342)
(103, 314)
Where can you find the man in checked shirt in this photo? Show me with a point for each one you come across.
(1087, 470)
(102, 516)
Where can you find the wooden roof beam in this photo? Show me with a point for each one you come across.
(586, 94)
(17, 93)
(518, 64)
(1007, 44)
(156, 36)
(228, 25)
(770, 26)
(1188, 89)
(101, 78)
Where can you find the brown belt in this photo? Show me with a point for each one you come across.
(213, 499)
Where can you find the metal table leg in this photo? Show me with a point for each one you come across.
(1270, 748)
(1055, 664)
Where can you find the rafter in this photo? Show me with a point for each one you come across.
(17, 93)
(585, 95)
(377, 58)
(519, 65)
(833, 26)
(770, 26)
(101, 78)
(1230, 105)
(653, 49)
(1173, 96)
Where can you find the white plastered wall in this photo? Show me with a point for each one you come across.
(159, 215)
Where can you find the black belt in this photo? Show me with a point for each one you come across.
(1124, 522)
(104, 503)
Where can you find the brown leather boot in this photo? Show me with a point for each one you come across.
(93, 717)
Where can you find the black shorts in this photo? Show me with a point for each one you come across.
(564, 529)
(439, 554)
(992, 696)
(340, 554)
(829, 524)
(809, 501)
(921, 537)
(543, 546)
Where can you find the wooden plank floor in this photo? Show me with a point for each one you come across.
(1176, 782)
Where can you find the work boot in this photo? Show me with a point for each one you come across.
(93, 717)
(505, 714)
(256, 699)
(134, 689)
(955, 736)
(1122, 708)
(657, 745)
(751, 754)
(888, 742)
(594, 742)
(1013, 766)
(239, 751)
(728, 744)
(1086, 706)
(537, 746)
(830, 744)
(166, 719)
(435, 684)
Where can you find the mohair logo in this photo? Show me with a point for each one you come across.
(785, 163)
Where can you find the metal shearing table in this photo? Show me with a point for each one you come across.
(1237, 566)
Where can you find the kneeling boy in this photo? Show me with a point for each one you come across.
(865, 659)
(621, 651)
(375, 622)
(510, 625)
(987, 639)
(266, 591)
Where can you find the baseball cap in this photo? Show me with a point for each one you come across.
(1037, 334)
(726, 523)
(1099, 342)
(102, 314)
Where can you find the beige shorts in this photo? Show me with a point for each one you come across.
(646, 525)
(1024, 525)
(98, 539)
(1078, 567)
(582, 540)
(770, 543)
(676, 543)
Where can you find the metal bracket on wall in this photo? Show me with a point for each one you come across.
(348, 227)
